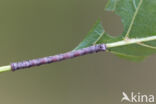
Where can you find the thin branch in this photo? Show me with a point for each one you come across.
(5, 68)
(130, 41)
(72, 54)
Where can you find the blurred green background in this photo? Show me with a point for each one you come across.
(37, 28)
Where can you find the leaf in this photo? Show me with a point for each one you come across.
(93, 36)
(139, 20)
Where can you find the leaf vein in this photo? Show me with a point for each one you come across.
(98, 38)
(146, 45)
(115, 4)
(133, 19)
(134, 4)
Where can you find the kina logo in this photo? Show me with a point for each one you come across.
(138, 98)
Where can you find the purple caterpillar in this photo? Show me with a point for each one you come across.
(56, 58)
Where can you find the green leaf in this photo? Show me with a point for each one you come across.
(139, 20)
(93, 36)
